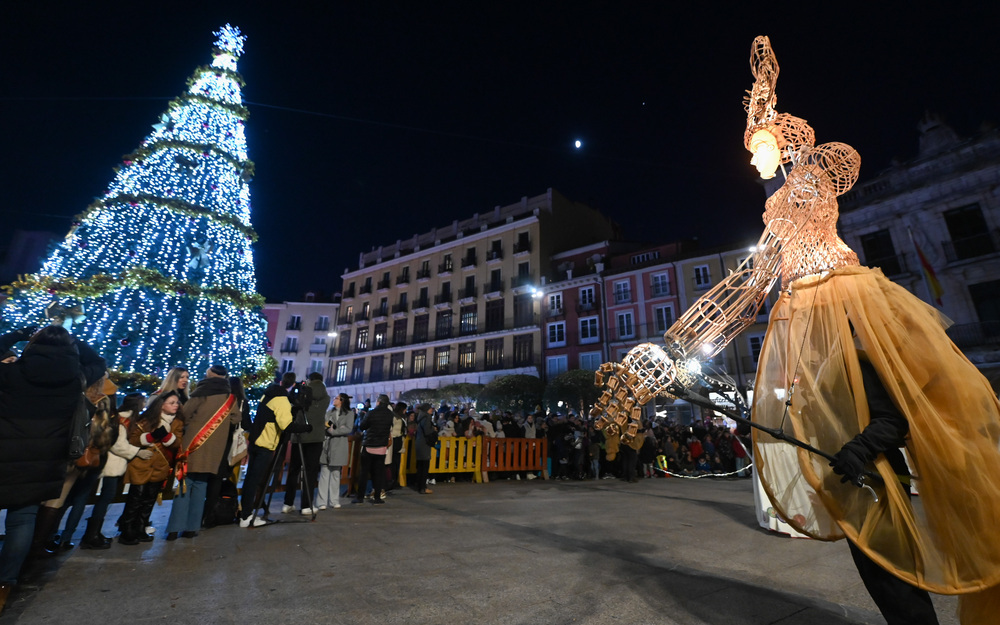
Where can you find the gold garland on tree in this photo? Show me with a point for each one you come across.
(179, 206)
(134, 277)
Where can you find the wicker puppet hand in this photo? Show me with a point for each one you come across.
(646, 371)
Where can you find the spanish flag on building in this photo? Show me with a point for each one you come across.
(930, 278)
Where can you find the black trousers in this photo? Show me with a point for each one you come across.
(372, 466)
(312, 452)
(258, 467)
(423, 468)
(899, 602)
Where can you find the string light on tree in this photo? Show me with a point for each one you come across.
(162, 261)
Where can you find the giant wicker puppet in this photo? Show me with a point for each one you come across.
(831, 315)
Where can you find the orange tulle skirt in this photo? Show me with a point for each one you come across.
(945, 540)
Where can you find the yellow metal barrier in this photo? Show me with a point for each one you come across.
(515, 454)
(453, 454)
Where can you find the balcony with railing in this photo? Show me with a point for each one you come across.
(445, 268)
(403, 279)
(494, 255)
(317, 348)
(382, 284)
(623, 297)
(421, 304)
(365, 289)
(345, 319)
(400, 308)
(381, 312)
(971, 247)
(522, 247)
(586, 307)
(970, 335)
(555, 312)
(360, 316)
(443, 333)
(289, 348)
(348, 293)
(658, 289)
(424, 274)
(519, 281)
(322, 324)
(442, 298)
(294, 324)
(493, 289)
(469, 261)
(468, 292)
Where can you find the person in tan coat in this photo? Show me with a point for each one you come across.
(211, 412)
(160, 429)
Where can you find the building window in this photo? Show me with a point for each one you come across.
(523, 350)
(358, 371)
(623, 292)
(644, 257)
(661, 284)
(419, 363)
(469, 320)
(377, 369)
(880, 252)
(442, 359)
(396, 366)
(362, 343)
(315, 366)
(341, 372)
(590, 361)
(291, 345)
(555, 304)
(969, 235)
(383, 307)
(588, 330)
(626, 326)
(663, 318)
(345, 343)
(443, 328)
(446, 264)
(494, 315)
(493, 357)
(496, 281)
(423, 299)
(294, 322)
(554, 365)
(322, 323)
(587, 298)
(287, 364)
(523, 243)
(399, 332)
(421, 325)
(524, 310)
(381, 335)
(425, 270)
(467, 357)
(756, 342)
(366, 309)
(557, 334)
(702, 277)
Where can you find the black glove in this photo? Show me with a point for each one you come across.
(849, 462)
(160, 433)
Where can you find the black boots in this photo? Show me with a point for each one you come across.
(130, 522)
(46, 524)
(93, 539)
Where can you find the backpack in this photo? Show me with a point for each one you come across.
(226, 507)
(264, 416)
(431, 438)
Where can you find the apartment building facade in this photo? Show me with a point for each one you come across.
(458, 303)
(945, 205)
(303, 335)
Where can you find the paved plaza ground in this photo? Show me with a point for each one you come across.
(668, 551)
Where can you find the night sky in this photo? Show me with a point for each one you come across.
(373, 121)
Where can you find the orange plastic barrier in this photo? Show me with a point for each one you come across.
(515, 454)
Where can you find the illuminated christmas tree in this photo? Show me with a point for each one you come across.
(159, 271)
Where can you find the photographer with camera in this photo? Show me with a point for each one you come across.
(313, 400)
(274, 414)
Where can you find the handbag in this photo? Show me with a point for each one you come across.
(90, 459)
(238, 448)
(79, 428)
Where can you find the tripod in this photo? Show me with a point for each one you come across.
(268, 491)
